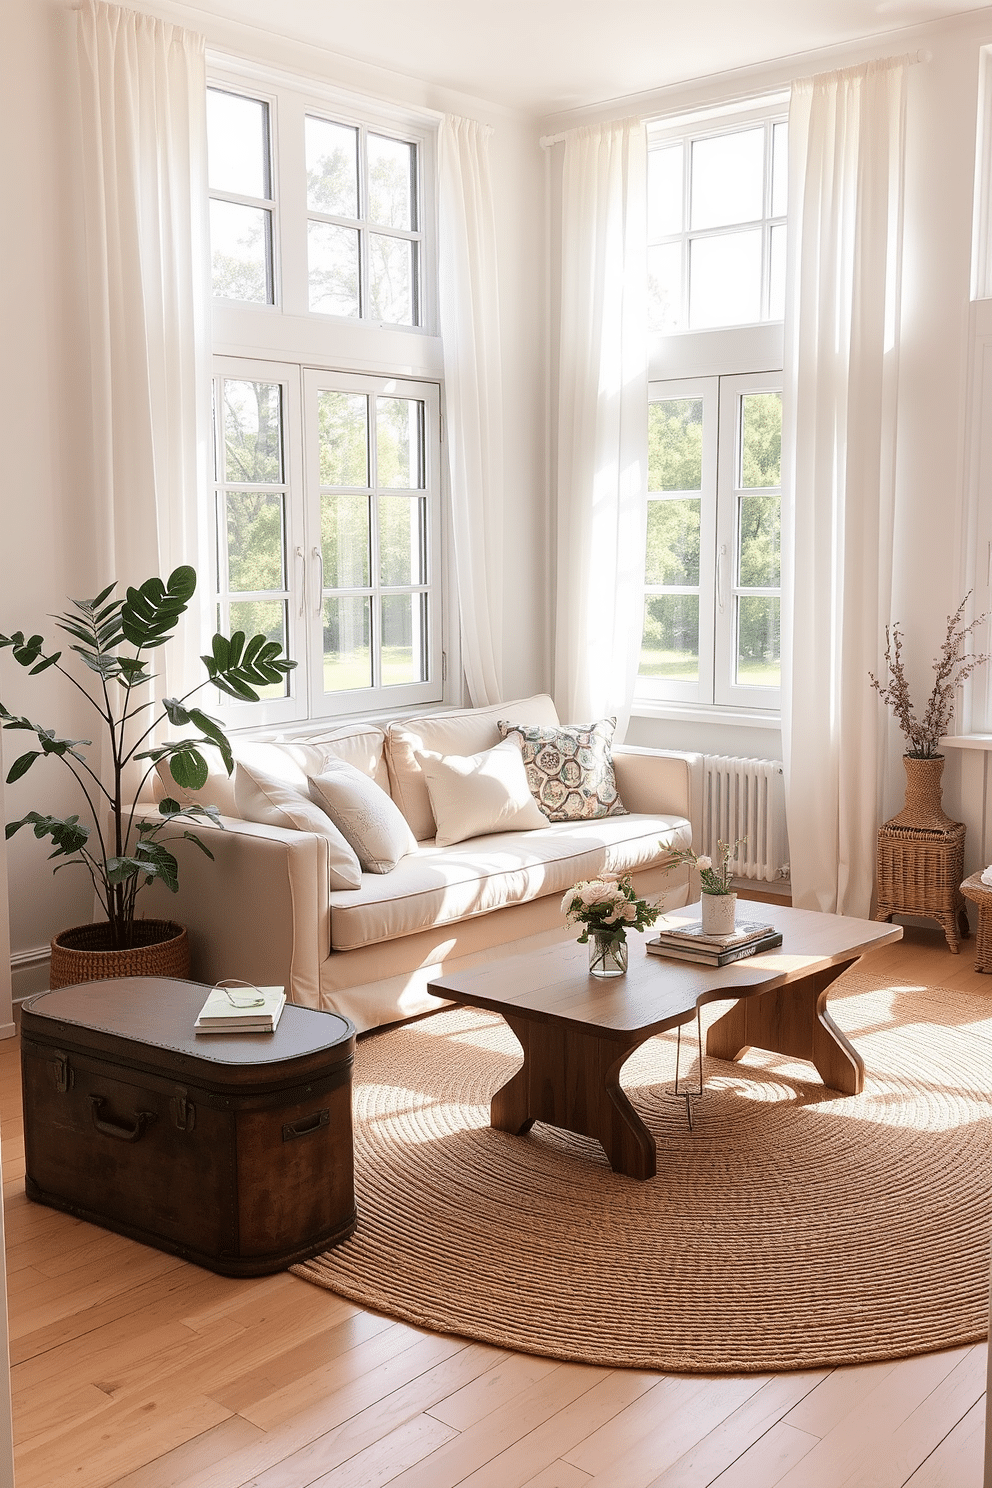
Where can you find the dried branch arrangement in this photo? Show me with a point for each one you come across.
(952, 665)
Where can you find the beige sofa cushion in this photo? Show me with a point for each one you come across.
(467, 732)
(371, 821)
(271, 802)
(441, 885)
(475, 794)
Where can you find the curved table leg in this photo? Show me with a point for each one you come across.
(793, 1020)
(570, 1077)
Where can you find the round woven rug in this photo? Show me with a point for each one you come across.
(791, 1228)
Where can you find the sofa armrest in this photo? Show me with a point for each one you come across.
(660, 782)
(259, 911)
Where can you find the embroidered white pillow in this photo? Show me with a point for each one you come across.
(369, 819)
(264, 798)
(475, 794)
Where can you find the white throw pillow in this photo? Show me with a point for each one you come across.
(472, 795)
(369, 819)
(266, 799)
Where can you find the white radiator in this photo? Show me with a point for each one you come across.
(746, 798)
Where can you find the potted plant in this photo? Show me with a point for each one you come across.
(718, 905)
(120, 849)
(923, 762)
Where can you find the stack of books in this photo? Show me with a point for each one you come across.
(687, 942)
(241, 1010)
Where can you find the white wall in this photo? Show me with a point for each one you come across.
(46, 550)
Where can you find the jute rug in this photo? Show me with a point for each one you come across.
(791, 1228)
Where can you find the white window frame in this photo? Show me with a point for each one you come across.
(284, 341)
(680, 359)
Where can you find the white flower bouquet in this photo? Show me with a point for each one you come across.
(712, 880)
(607, 907)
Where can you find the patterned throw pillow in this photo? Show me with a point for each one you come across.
(569, 768)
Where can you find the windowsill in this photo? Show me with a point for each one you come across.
(967, 741)
(703, 713)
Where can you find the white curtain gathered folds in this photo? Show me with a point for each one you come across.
(468, 296)
(846, 147)
(602, 421)
(143, 153)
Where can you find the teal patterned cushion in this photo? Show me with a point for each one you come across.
(569, 768)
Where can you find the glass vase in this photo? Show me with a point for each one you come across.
(607, 955)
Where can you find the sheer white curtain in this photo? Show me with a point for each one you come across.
(143, 151)
(846, 145)
(602, 421)
(469, 315)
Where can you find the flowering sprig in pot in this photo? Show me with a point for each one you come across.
(607, 907)
(111, 639)
(953, 665)
(712, 880)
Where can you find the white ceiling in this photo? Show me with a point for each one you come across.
(542, 56)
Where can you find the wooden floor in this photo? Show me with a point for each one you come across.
(132, 1368)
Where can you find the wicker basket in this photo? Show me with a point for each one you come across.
(83, 954)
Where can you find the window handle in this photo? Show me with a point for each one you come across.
(720, 563)
(318, 554)
(303, 578)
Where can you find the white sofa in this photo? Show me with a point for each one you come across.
(266, 909)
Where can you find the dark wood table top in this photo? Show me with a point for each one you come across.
(657, 993)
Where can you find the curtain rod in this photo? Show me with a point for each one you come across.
(547, 140)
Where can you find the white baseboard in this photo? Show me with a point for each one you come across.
(29, 972)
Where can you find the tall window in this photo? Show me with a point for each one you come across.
(327, 483)
(712, 591)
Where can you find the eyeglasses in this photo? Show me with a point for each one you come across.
(241, 994)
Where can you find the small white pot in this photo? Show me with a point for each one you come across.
(719, 912)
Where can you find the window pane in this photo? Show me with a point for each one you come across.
(343, 434)
(263, 617)
(398, 443)
(780, 169)
(333, 260)
(673, 543)
(255, 544)
(675, 445)
(725, 280)
(759, 648)
(664, 191)
(332, 168)
(392, 181)
(345, 541)
(240, 249)
(237, 144)
(727, 179)
(665, 287)
(761, 440)
(347, 649)
(760, 542)
(404, 639)
(670, 644)
(253, 432)
(391, 279)
(401, 540)
(776, 288)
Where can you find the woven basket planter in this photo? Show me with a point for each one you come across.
(922, 811)
(83, 954)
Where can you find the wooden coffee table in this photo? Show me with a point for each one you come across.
(578, 1031)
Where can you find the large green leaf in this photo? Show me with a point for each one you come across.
(68, 834)
(238, 669)
(150, 613)
(188, 767)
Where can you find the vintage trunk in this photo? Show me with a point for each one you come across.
(233, 1151)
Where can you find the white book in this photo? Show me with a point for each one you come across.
(228, 1014)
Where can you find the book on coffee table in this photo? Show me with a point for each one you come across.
(692, 932)
(712, 955)
(240, 1012)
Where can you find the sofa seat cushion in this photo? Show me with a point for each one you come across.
(441, 885)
